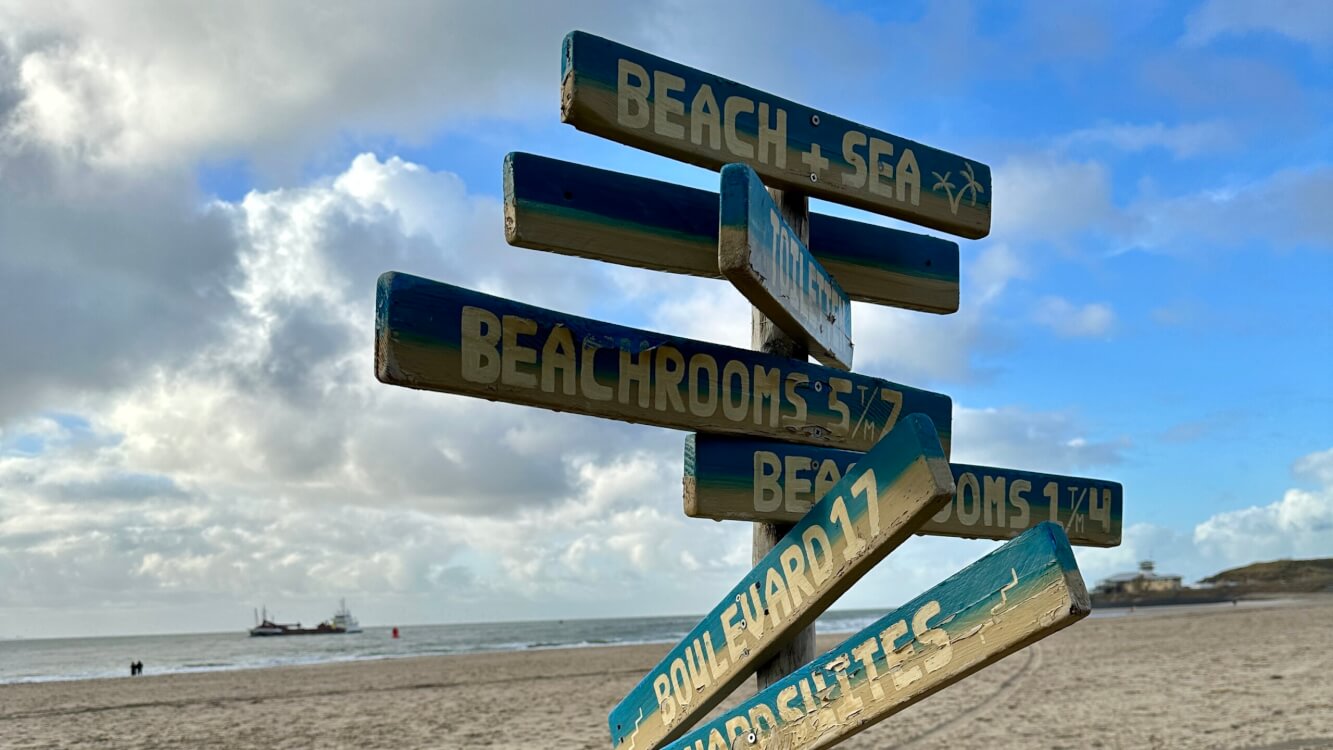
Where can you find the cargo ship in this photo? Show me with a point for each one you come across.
(342, 622)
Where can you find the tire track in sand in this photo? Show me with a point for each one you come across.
(1032, 664)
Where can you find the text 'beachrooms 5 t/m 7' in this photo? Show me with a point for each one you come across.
(834, 468)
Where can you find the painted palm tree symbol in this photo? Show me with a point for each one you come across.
(947, 185)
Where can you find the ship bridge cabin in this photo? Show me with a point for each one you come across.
(1144, 581)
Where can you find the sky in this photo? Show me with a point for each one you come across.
(196, 200)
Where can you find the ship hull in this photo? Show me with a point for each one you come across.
(295, 631)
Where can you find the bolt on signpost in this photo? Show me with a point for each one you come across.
(903, 479)
(835, 468)
(440, 337)
(746, 479)
(598, 214)
(646, 101)
(768, 337)
(1013, 597)
(763, 256)
(658, 105)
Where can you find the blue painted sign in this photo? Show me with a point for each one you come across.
(863, 517)
(1016, 595)
(657, 105)
(441, 337)
(577, 210)
(763, 480)
(767, 261)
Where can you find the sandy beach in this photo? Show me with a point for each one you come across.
(1203, 677)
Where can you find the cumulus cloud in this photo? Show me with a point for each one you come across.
(169, 543)
(267, 459)
(143, 82)
(1052, 198)
(916, 349)
(268, 462)
(1300, 524)
(990, 273)
(1094, 319)
(1297, 525)
(1051, 442)
(1305, 21)
(1284, 207)
(1183, 141)
(1066, 201)
(113, 275)
(1316, 467)
(189, 414)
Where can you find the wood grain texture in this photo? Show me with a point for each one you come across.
(658, 105)
(768, 262)
(900, 482)
(762, 480)
(572, 209)
(441, 337)
(1012, 597)
(767, 337)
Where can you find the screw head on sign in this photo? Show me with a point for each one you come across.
(814, 177)
(814, 119)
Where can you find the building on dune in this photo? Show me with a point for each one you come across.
(1144, 581)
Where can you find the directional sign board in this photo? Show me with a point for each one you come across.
(568, 208)
(657, 105)
(444, 338)
(1015, 596)
(764, 480)
(877, 505)
(766, 260)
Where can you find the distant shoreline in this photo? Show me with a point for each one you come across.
(1180, 677)
(66, 660)
(155, 671)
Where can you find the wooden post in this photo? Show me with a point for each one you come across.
(767, 338)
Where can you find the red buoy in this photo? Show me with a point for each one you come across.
(395, 631)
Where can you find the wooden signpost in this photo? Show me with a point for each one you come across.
(877, 505)
(745, 479)
(767, 261)
(658, 105)
(835, 468)
(592, 213)
(1012, 597)
(445, 338)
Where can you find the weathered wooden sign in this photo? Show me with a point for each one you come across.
(657, 105)
(577, 210)
(766, 260)
(762, 480)
(444, 338)
(877, 505)
(1015, 596)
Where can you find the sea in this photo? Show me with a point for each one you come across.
(51, 659)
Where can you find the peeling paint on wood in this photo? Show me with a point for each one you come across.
(441, 337)
(767, 261)
(658, 105)
(743, 479)
(900, 482)
(1015, 596)
(572, 209)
